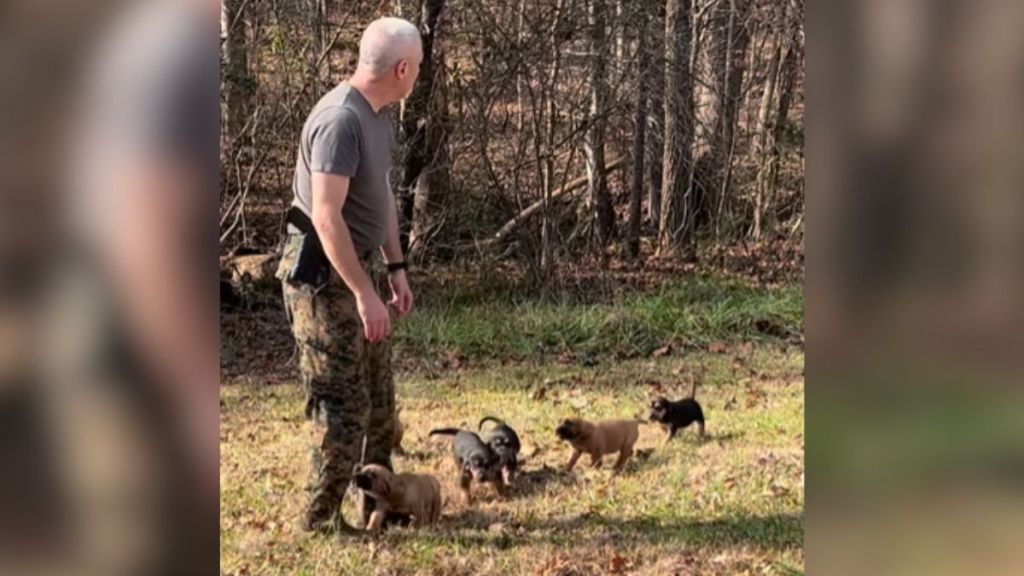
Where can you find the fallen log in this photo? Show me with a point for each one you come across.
(561, 194)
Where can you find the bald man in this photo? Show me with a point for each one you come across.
(343, 212)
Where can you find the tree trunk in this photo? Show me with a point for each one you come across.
(654, 85)
(730, 39)
(432, 193)
(673, 231)
(600, 199)
(640, 137)
(418, 124)
(235, 66)
(551, 117)
(318, 24)
(520, 31)
(786, 84)
(620, 35)
(763, 145)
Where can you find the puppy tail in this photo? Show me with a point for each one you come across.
(485, 419)
(693, 391)
(444, 432)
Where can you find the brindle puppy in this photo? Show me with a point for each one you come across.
(504, 442)
(474, 459)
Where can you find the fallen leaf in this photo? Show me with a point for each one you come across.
(616, 564)
(663, 351)
(717, 347)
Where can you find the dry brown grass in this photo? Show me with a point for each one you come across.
(731, 505)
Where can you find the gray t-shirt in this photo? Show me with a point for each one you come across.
(344, 136)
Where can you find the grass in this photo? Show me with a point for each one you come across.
(731, 505)
(694, 312)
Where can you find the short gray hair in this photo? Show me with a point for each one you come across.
(385, 42)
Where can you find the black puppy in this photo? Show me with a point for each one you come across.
(475, 459)
(504, 442)
(675, 416)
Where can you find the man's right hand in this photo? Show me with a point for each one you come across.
(375, 316)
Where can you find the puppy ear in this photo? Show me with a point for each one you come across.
(382, 485)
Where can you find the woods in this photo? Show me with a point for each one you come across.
(602, 201)
(697, 103)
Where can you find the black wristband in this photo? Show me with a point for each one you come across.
(396, 266)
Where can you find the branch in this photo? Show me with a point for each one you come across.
(532, 209)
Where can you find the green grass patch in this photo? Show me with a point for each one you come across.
(693, 312)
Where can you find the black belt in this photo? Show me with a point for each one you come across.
(296, 217)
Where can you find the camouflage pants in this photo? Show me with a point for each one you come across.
(350, 390)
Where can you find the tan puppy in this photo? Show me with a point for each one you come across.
(418, 495)
(598, 439)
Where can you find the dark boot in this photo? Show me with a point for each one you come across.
(320, 520)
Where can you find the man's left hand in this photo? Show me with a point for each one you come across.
(401, 294)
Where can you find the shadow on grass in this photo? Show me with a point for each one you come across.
(470, 519)
(723, 437)
(531, 482)
(772, 532)
(776, 531)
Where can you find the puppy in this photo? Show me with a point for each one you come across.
(504, 442)
(474, 459)
(674, 416)
(417, 495)
(598, 439)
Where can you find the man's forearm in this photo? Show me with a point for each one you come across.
(392, 248)
(337, 244)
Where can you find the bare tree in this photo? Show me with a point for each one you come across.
(432, 194)
(318, 23)
(674, 229)
(654, 86)
(235, 65)
(640, 131)
(600, 199)
(424, 132)
(729, 40)
(520, 109)
(763, 148)
(782, 79)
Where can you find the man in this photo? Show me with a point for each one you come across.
(343, 211)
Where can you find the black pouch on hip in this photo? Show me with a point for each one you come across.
(311, 266)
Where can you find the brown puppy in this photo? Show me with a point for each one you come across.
(418, 495)
(598, 439)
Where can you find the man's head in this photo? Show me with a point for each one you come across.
(390, 54)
